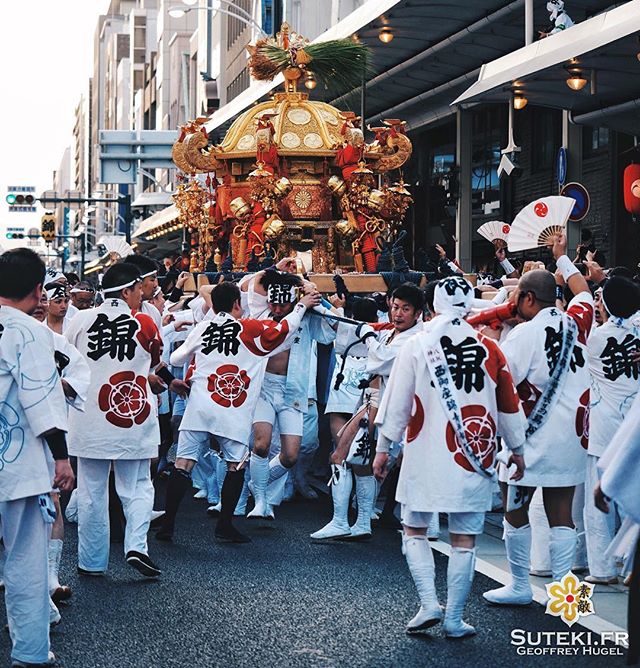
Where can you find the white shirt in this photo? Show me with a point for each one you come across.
(32, 404)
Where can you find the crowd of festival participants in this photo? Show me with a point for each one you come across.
(437, 402)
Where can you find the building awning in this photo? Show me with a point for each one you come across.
(156, 221)
(604, 48)
(157, 198)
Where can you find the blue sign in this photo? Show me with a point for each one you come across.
(561, 166)
(580, 194)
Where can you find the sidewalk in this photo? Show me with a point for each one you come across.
(610, 601)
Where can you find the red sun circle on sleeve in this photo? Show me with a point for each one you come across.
(582, 420)
(124, 399)
(417, 420)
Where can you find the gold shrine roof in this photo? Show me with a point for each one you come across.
(302, 128)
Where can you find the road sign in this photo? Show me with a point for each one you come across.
(561, 166)
(581, 195)
(123, 151)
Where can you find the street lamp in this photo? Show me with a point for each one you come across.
(242, 15)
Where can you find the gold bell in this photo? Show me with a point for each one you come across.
(273, 228)
(375, 201)
(345, 229)
(239, 208)
(282, 187)
(337, 186)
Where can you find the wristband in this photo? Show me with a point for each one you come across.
(567, 267)
(57, 442)
(507, 266)
(165, 375)
(559, 292)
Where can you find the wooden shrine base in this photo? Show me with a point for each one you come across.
(356, 283)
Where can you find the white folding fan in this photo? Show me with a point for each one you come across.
(115, 246)
(539, 222)
(495, 231)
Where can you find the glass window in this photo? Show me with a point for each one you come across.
(488, 125)
(545, 139)
(594, 140)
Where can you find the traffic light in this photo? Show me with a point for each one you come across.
(15, 235)
(21, 199)
(48, 227)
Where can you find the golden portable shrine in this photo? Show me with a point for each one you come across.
(294, 175)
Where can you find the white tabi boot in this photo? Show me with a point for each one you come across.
(341, 485)
(54, 614)
(259, 479)
(276, 484)
(417, 552)
(366, 495)
(241, 507)
(518, 545)
(562, 548)
(56, 590)
(459, 578)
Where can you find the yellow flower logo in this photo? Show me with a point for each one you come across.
(569, 599)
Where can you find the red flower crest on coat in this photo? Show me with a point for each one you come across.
(229, 385)
(124, 399)
(480, 430)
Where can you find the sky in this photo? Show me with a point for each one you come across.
(46, 59)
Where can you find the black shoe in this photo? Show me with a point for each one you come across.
(95, 574)
(143, 564)
(230, 534)
(164, 535)
(388, 522)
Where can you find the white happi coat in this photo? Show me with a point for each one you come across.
(121, 348)
(229, 361)
(435, 475)
(32, 403)
(556, 454)
(615, 379)
(620, 464)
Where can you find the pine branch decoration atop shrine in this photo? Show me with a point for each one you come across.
(338, 64)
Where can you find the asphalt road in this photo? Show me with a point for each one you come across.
(280, 601)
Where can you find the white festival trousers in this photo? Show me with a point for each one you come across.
(134, 487)
(26, 578)
(601, 528)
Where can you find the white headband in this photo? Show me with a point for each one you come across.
(282, 293)
(149, 273)
(116, 288)
(76, 290)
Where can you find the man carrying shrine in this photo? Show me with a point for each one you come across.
(383, 342)
(283, 395)
(119, 426)
(614, 384)
(34, 424)
(449, 394)
(547, 356)
(227, 357)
